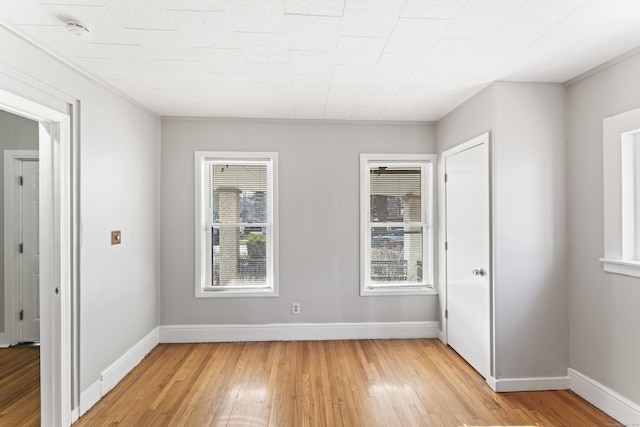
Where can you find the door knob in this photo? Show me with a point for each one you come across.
(479, 272)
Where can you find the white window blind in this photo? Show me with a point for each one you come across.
(237, 224)
(396, 229)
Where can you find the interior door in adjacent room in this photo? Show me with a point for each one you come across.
(467, 252)
(30, 252)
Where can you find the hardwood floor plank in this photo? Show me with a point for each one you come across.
(20, 386)
(324, 383)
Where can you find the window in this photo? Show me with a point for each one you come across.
(236, 226)
(396, 224)
(621, 161)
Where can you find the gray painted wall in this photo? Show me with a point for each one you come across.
(475, 117)
(530, 251)
(472, 118)
(119, 180)
(319, 220)
(603, 307)
(16, 133)
(527, 125)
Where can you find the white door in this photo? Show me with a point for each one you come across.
(467, 253)
(30, 252)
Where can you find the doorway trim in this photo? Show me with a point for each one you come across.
(484, 138)
(58, 245)
(12, 160)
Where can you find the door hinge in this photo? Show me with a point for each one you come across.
(446, 313)
(446, 177)
(446, 246)
(21, 248)
(21, 314)
(21, 180)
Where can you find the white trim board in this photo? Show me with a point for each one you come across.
(298, 332)
(75, 414)
(528, 384)
(115, 372)
(602, 397)
(626, 268)
(89, 397)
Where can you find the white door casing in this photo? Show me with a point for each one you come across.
(58, 240)
(30, 277)
(468, 252)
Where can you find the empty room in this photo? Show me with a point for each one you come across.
(250, 212)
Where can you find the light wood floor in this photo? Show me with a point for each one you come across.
(20, 386)
(324, 383)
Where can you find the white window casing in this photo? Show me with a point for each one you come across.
(621, 173)
(236, 227)
(396, 224)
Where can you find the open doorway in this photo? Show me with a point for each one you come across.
(19, 268)
(19, 263)
(53, 214)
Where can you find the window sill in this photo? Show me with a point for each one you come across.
(226, 293)
(391, 291)
(617, 266)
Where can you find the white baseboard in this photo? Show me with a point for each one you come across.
(75, 414)
(115, 372)
(125, 363)
(529, 384)
(602, 397)
(492, 383)
(89, 397)
(5, 338)
(297, 332)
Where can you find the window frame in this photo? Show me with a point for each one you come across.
(619, 252)
(428, 164)
(201, 160)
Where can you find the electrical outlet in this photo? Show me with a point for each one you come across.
(295, 308)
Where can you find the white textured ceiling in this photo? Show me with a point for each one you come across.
(402, 60)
